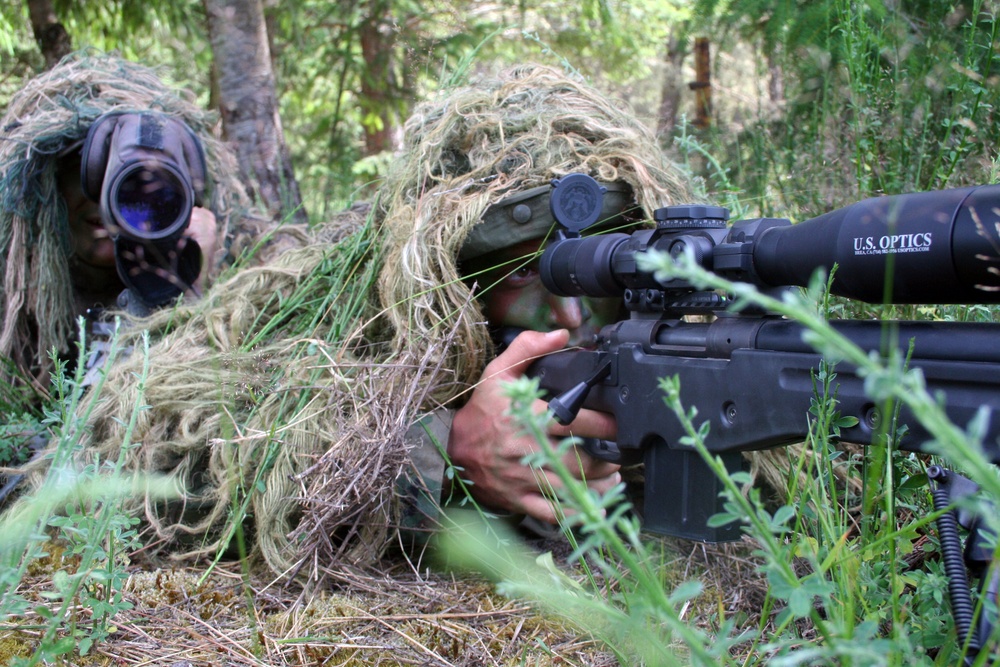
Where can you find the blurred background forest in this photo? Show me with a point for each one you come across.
(804, 104)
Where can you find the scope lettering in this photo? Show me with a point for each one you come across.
(892, 243)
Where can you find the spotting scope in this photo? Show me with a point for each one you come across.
(147, 172)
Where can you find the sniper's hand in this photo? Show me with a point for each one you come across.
(202, 229)
(488, 445)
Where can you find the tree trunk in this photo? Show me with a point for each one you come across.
(377, 40)
(52, 38)
(775, 79)
(702, 85)
(670, 93)
(248, 102)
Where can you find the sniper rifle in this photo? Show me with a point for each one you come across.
(750, 374)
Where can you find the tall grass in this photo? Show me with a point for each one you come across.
(72, 524)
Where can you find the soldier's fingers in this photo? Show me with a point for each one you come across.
(543, 504)
(585, 466)
(540, 507)
(604, 484)
(523, 351)
(588, 424)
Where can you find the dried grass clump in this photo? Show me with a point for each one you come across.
(47, 118)
(185, 615)
(391, 620)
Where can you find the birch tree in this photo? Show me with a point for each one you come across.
(248, 102)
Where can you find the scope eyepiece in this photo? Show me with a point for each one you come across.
(582, 266)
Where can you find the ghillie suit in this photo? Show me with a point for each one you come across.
(48, 118)
(238, 393)
(482, 144)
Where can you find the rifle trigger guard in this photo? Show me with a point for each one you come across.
(604, 450)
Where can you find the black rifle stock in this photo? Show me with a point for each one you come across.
(752, 379)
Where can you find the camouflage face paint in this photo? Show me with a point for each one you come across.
(513, 295)
(90, 242)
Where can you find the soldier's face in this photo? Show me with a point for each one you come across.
(513, 295)
(90, 241)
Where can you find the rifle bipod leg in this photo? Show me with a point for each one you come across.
(974, 559)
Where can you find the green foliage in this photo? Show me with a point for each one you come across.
(877, 99)
(21, 419)
(16, 435)
(335, 90)
(877, 589)
(332, 95)
(326, 78)
(72, 523)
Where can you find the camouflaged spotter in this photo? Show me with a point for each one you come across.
(48, 118)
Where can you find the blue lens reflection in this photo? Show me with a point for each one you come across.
(149, 200)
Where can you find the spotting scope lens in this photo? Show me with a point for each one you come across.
(147, 172)
(151, 201)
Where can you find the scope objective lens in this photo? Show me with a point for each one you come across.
(150, 201)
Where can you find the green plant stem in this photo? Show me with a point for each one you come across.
(626, 550)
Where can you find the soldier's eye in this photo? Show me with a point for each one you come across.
(522, 276)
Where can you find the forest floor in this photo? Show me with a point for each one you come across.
(188, 616)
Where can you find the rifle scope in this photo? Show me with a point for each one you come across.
(932, 247)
